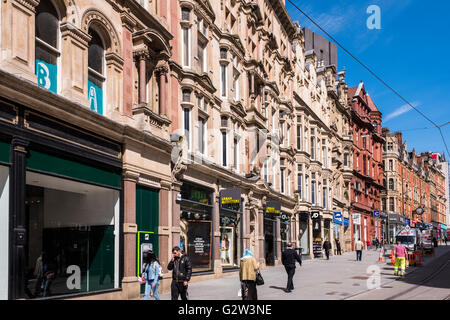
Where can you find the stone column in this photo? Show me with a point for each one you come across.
(128, 24)
(74, 63)
(18, 219)
(246, 227)
(278, 237)
(176, 187)
(163, 90)
(311, 237)
(18, 37)
(114, 76)
(142, 79)
(130, 287)
(260, 255)
(216, 232)
(163, 228)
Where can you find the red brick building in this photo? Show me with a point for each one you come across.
(367, 182)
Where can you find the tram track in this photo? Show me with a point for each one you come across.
(423, 282)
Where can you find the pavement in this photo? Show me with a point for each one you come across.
(341, 277)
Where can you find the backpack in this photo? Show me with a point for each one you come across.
(160, 272)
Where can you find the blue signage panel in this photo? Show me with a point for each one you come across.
(47, 75)
(95, 96)
(346, 222)
(376, 214)
(337, 217)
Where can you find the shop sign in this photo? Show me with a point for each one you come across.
(95, 97)
(346, 222)
(356, 218)
(284, 217)
(273, 207)
(230, 196)
(199, 196)
(394, 218)
(376, 214)
(315, 215)
(407, 222)
(199, 242)
(46, 75)
(443, 226)
(337, 218)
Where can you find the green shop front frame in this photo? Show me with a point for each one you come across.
(147, 220)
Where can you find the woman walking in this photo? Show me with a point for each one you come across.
(151, 270)
(247, 276)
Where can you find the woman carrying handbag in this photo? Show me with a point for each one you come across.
(249, 276)
(152, 274)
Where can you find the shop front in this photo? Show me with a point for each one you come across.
(337, 226)
(196, 225)
(60, 208)
(285, 230)
(384, 226)
(272, 212)
(317, 234)
(395, 223)
(231, 236)
(356, 219)
(347, 244)
(444, 231)
(304, 233)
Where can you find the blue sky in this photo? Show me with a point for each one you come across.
(411, 52)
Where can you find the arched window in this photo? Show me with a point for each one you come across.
(47, 45)
(96, 69)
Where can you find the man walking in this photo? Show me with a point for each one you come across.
(181, 274)
(327, 248)
(359, 246)
(288, 258)
(400, 259)
(338, 247)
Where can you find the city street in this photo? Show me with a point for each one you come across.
(342, 277)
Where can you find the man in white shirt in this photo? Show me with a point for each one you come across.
(359, 246)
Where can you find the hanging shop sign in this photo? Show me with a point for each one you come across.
(230, 196)
(273, 207)
(376, 214)
(346, 222)
(337, 218)
(315, 215)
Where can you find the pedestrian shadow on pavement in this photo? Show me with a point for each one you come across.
(279, 288)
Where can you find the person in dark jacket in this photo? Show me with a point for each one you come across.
(181, 274)
(338, 247)
(288, 258)
(327, 248)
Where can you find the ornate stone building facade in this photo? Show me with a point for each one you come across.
(367, 165)
(129, 126)
(411, 181)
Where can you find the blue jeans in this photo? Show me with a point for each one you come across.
(148, 287)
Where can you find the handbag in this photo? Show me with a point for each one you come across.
(259, 278)
(142, 279)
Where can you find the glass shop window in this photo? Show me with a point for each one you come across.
(47, 46)
(72, 243)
